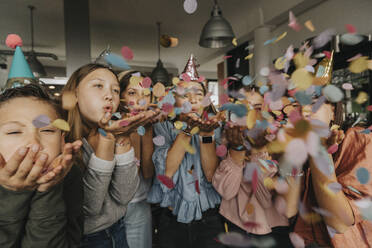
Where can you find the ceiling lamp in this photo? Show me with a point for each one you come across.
(36, 67)
(160, 74)
(217, 32)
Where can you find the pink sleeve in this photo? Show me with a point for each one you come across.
(227, 178)
(262, 194)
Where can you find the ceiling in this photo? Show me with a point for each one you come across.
(132, 23)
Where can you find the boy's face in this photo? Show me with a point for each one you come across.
(17, 130)
(194, 94)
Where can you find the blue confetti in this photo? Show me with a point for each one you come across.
(270, 41)
(141, 130)
(102, 132)
(362, 175)
(116, 60)
(354, 189)
(366, 131)
(291, 99)
(303, 98)
(247, 80)
(177, 111)
(239, 109)
(263, 89)
(262, 124)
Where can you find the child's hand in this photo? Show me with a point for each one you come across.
(123, 126)
(234, 135)
(59, 167)
(21, 172)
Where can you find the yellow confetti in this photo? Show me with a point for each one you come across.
(249, 208)
(310, 26)
(178, 125)
(361, 98)
(275, 147)
(135, 80)
(61, 124)
(172, 114)
(269, 183)
(195, 130)
(251, 119)
(226, 228)
(302, 79)
(280, 63)
(301, 60)
(189, 148)
(175, 80)
(335, 127)
(158, 89)
(359, 65)
(276, 112)
(249, 56)
(146, 91)
(259, 83)
(281, 37)
(234, 42)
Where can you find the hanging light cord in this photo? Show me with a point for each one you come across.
(32, 25)
(158, 23)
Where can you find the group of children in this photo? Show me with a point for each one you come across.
(92, 186)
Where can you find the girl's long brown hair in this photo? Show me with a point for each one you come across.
(80, 127)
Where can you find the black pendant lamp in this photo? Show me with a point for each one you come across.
(217, 32)
(160, 74)
(36, 67)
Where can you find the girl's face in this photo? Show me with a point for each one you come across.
(97, 94)
(17, 130)
(135, 98)
(194, 94)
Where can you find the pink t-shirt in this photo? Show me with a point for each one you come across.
(229, 182)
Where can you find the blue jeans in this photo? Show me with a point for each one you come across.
(111, 237)
(138, 225)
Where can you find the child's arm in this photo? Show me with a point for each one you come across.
(176, 154)
(46, 222)
(208, 157)
(125, 178)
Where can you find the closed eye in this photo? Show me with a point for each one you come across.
(48, 131)
(15, 132)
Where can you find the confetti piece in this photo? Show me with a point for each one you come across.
(41, 121)
(127, 53)
(333, 148)
(197, 188)
(280, 37)
(321, 100)
(269, 41)
(13, 40)
(221, 150)
(234, 42)
(188, 148)
(362, 175)
(146, 91)
(296, 240)
(323, 38)
(249, 56)
(206, 100)
(269, 183)
(69, 100)
(201, 79)
(124, 123)
(226, 57)
(167, 107)
(263, 89)
(142, 102)
(102, 132)
(350, 28)
(302, 79)
(351, 39)
(296, 152)
(309, 25)
(158, 90)
(354, 189)
(146, 82)
(362, 97)
(359, 65)
(303, 98)
(178, 125)
(239, 109)
(265, 71)
(281, 186)
(249, 208)
(354, 57)
(247, 80)
(369, 108)
(224, 98)
(168, 182)
(333, 93)
(335, 187)
(280, 63)
(234, 239)
(175, 81)
(195, 130)
(190, 6)
(293, 22)
(347, 86)
(186, 107)
(159, 140)
(141, 130)
(116, 60)
(61, 124)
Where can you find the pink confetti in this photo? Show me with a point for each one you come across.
(159, 140)
(180, 90)
(146, 82)
(294, 116)
(185, 77)
(127, 53)
(347, 86)
(201, 79)
(168, 182)
(221, 150)
(197, 188)
(226, 57)
(355, 57)
(224, 98)
(333, 148)
(328, 54)
(350, 29)
(206, 100)
(167, 107)
(124, 123)
(296, 152)
(296, 240)
(335, 187)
